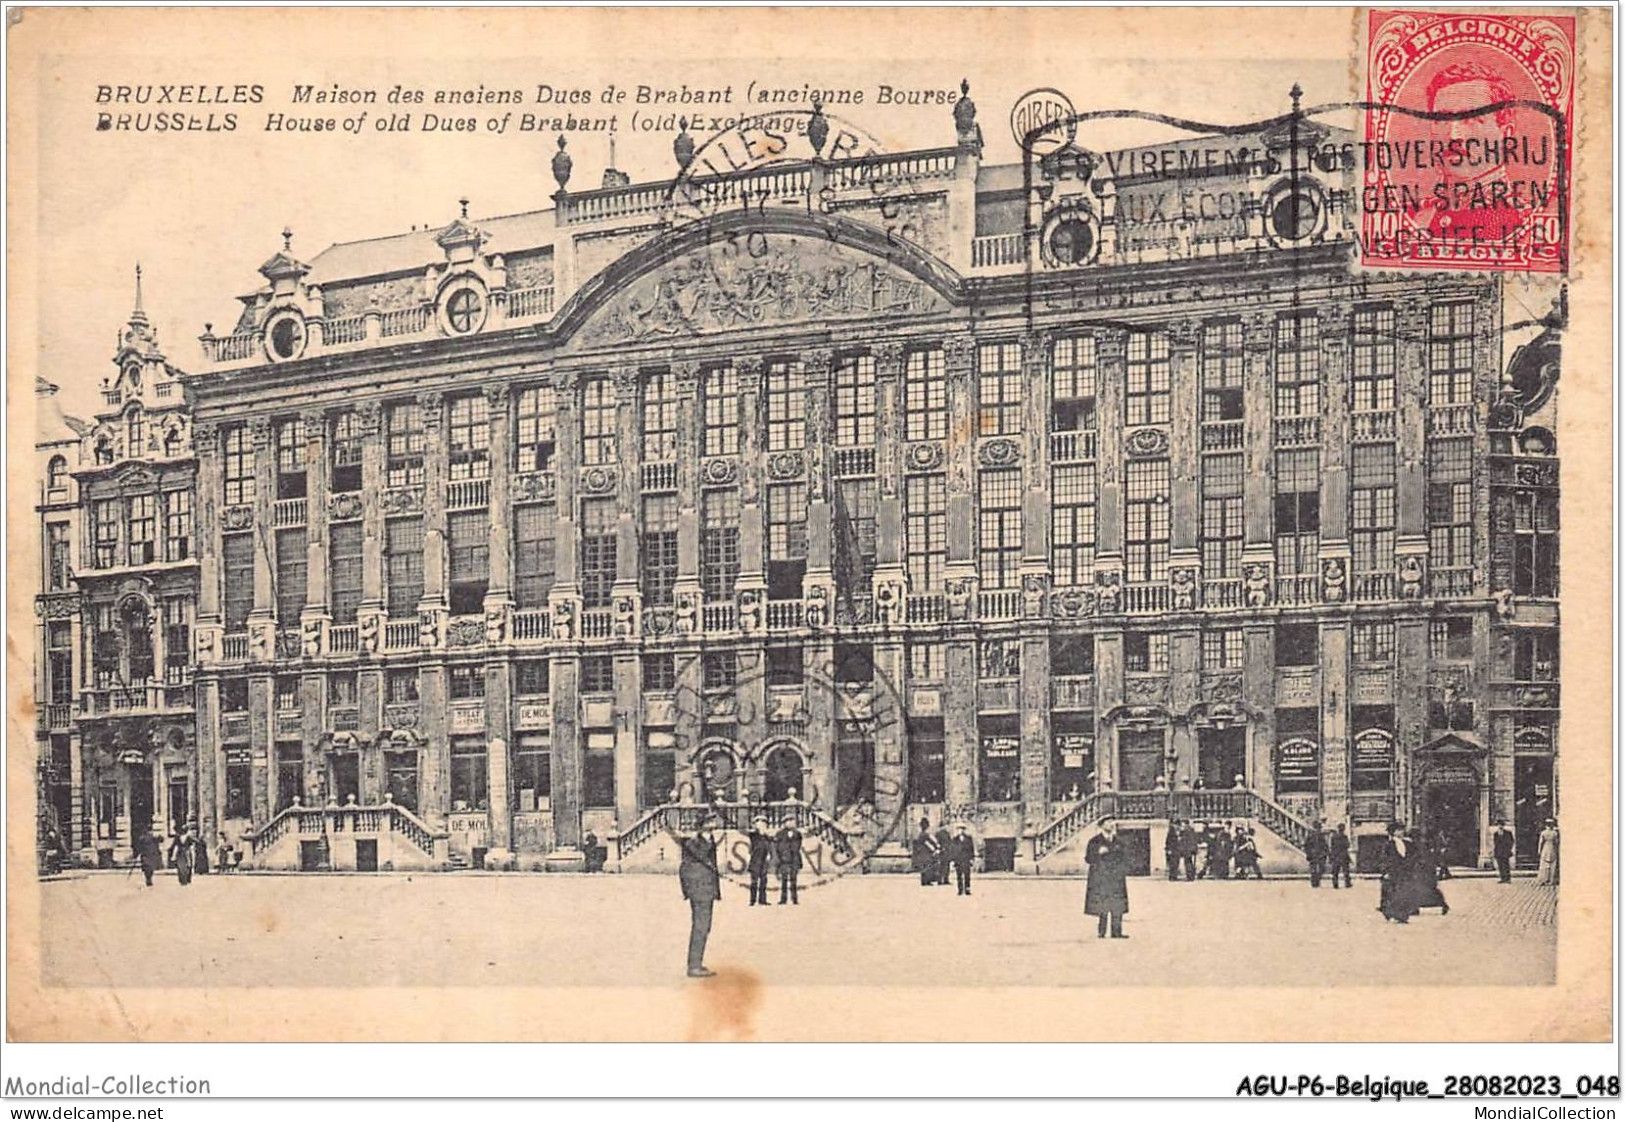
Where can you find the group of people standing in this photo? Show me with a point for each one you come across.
(1410, 876)
(187, 854)
(1223, 848)
(935, 853)
(783, 852)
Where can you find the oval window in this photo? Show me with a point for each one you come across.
(1071, 242)
(287, 338)
(465, 310)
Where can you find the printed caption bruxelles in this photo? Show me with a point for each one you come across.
(143, 118)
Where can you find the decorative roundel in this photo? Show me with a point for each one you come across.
(1294, 213)
(285, 336)
(464, 306)
(132, 374)
(1070, 238)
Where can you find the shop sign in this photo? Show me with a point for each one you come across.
(1374, 750)
(1297, 766)
(1001, 747)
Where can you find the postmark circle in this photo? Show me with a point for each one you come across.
(1043, 120)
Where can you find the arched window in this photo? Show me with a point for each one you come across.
(137, 435)
(104, 449)
(56, 473)
(172, 442)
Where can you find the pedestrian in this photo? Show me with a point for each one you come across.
(962, 855)
(702, 888)
(1219, 849)
(761, 848)
(589, 850)
(787, 859)
(200, 852)
(222, 856)
(1425, 876)
(181, 856)
(1441, 853)
(1106, 895)
(1247, 855)
(944, 840)
(1187, 849)
(927, 852)
(1172, 846)
(1314, 848)
(1504, 843)
(147, 853)
(1337, 853)
(1546, 872)
(1394, 898)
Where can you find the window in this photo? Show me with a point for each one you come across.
(1071, 656)
(290, 773)
(1146, 521)
(403, 565)
(1297, 751)
(927, 760)
(1221, 649)
(855, 540)
(785, 666)
(104, 449)
(1450, 640)
(344, 569)
(1449, 708)
(598, 770)
(56, 474)
(1072, 525)
(532, 771)
(1372, 352)
(1373, 508)
(172, 438)
(1146, 402)
(234, 695)
(1534, 543)
(854, 664)
(404, 424)
(1222, 366)
(136, 623)
(468, 773)
(287, 694)
(1450, 354)
(999, 381)
(721, 670)
(467, 683)
(855, 401)
(468, 437)
(597, 674)
(468, 537)
(59, 645)
(1072, 756)
(533, 554)
(58, 559)
(532, 677)
(925, 395)
(237, 580)
(402, 686)
(346, 453)
(1222, 527)
(290, 459)
(1000, 760)
(1534, 656)
(660, 412)
(1372, 766)
(290, 576)
(238, 787)
(927, 662)
(659, 672)
(854, 765)
(1073, 373)
(465, 310)
(143, 544)
(719, 544)
(106, 648)
(720, 390)
(1297, 365)
(999, 658)
(135, 441)
(598, 522)
(659, 548)
(237, 465)
(1145, 652)
(1297, 644)
(1450, 503)
(537, 411)
(786, 540)
(104, 532)
(1297, 512)
(925, 508)
(598, 418)
(177, 525)
(1373, 642)
(786, 406)
(999, 527)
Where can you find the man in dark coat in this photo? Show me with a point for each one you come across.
(181, 857)
(1106, 895)
(702, 888)
(927, 853)
(761, 847)
(1424, 875)
(944, 840)
(1172, 846)
(1314, 848)
(1337, 854)
(962, 855)
(1504, 843)
(147, 853)
(1219, 848)
(787, 859)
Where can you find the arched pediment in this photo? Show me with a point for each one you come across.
(746, 270)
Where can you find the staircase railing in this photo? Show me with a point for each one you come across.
(1077, 819)
(1279, 821)
(1146, 806)
(685, 818)
(318, 822)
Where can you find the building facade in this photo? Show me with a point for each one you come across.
(891, 485)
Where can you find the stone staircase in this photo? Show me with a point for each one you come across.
(1161, 806)
(400, 838)
(685, 818)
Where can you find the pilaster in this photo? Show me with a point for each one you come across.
(1258, 397)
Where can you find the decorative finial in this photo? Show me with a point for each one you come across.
(1297, 96)
(969, 132)
(612, 142)
(463, 202)
(562, 163)
(683, 146)
(287, 239)
(139, 316)
(817, 127)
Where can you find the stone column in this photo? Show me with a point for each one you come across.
(264, 519)
(1258, 690)
(434, 760)
(1410, 416)
(206, 632)
(317, 464)
(1334, 720)
(1185, 439)
(369, 418)
(498, 756)
(959, 360)
(1111, 355)
(1109, 695)
(565, 759)
(262, 746)
(500, 547)
(961, 744)
(313, 704)
(1258, 405)
(1184, 691)
(628, 735)
(1334, 423)
(565, 765)
(1035, 732)
(891, 750)
(1410, 708)
(818, 586)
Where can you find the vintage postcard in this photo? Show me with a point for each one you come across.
(810, 524)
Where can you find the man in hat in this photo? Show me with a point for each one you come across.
(1504, 842)
(1337, 855)
(944, 841)
(761, 846)
(787, 859)
(1314, 848)
(962, 855)
(1173, 845)
(147, 853)
(927, 853)
(1106, 895)
(702, 887)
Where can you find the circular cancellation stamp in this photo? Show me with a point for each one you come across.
(1468, 135)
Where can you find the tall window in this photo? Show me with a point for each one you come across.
(786, 406)
(660, 411)
(401, 685)
(1221, 649)
(926, 510)
(290, 576)
(855, 535)
(786, 540)
(237, 580)
(1450, 503)
(925, 395)
(999, 537)
(290, 459)
(1222, 529)
(1145, 516)
(1145, 652)
(136, 431)
(1073, 376)
(1222, 364)
(721, 398)
(1072, 525)
(177, 525)
(468, 437)
(404, 423)
(1534, 543)
(468, 537)
(855, 400)
(660, 548)
(1146, 402)
(344, 569)
(598, 421)
(1450, 354)
(534, 564)
(59, 640)
(598, 520)
(467, 682)
(58, 560)
(403, 566)
(346, 452)
(238, 465)
(1297, 512)
(143, 549)
(1297, 365)
(719, 544)
(469, 774)
(1372, 354)
(1373, 509)
(105, 520)
(1450, 640)
(56, 474)
(537, 410)
(177, 640)
(106, 649)
(1373, 641)
(998, 375)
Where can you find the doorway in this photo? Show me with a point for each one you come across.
(140, 799)
(346, 777)
(783, 774)
(366, 855)
(1532, 805)
(401, 778)
(1450, 813)
(1139, 759)
(1221, 755)
(179, 810)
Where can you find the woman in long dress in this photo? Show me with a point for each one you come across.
(1547, 873)
(1397, 901)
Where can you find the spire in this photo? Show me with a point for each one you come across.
(139, 316)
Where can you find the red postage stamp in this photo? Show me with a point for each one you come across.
(1468, 135)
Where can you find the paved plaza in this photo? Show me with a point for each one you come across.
(537, 930)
